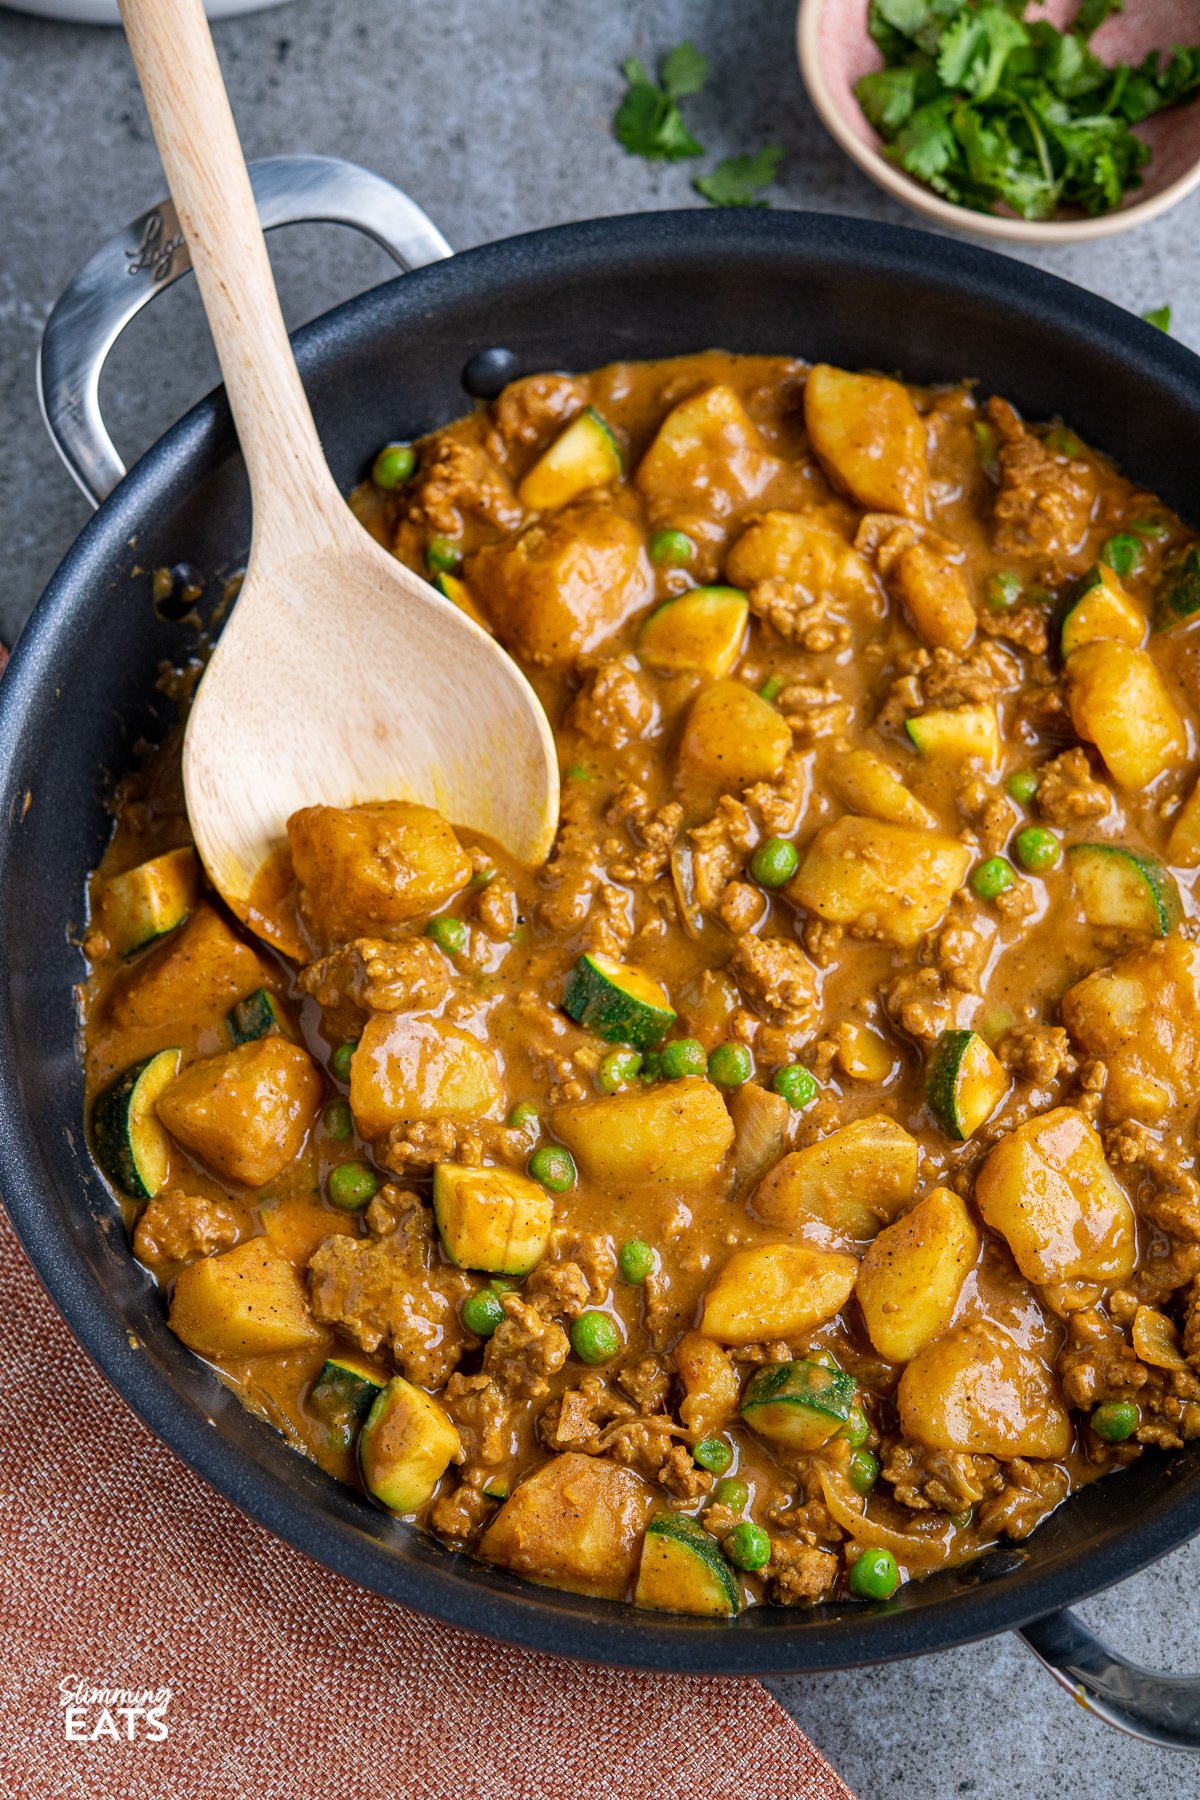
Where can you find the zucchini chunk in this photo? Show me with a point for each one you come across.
(683, 1570)
(800, 1404)
(257, 1016)
(345, 1391)
(405, 1446)
(1124, 888)
(585, 455)
(1120, 702)
(675, 1131)
(776, 1291)
(243, 1302)
(697, 633)
(1099, 607)
(455, 589)
(733, 736)
(619, 1003)
(957, 734)
(1180, 599)
(132, 1147)
(491, 1219)
(964, 1084)
(880, 880)
(147, 902)
(910, 1278)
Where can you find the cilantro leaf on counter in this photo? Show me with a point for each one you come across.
(737, 180)
(1160, 316)
(987, 106)
(648, 121)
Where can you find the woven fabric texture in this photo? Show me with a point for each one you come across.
(120, 1569)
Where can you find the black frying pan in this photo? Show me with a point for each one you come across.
(80, 691)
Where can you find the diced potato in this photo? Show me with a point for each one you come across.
(844, 1186)
(807, 553)
(936, 597)
(869, 438)
(295, 1227)
(1120, 703)
(862, 1054)
(1183, 845)
(676, 1131)
(576, 1523)
(708, 457)
(977, 1390)
(1047, 1189)
(868, 785)
(733, 736)
(1141, 1016)
(565, 584)
(188, 982)
(151, 899)
(911, 1277)
(363, 869)
(245, 1302)
(880, 880)
(408, 1067)
(776, 1291)
(246, 1112)
(711, 1388)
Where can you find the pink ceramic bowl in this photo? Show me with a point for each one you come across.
(835, 50)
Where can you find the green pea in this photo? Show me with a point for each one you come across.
(774, 862)
(874, 1576)
(393, 466)
(748, 1546)
(482, 1312)
(617, 1068)
(864, 1471)
(730, 1491)
(338, 1119)
(771, 688)
(481, 878)
(449, 934)
(443, 555)
(1153, 530)
(683, 1056)
(729, 1065)
(797, 1085)
(1122, 553)
(1036, 848)
(351, 1185)
(636, 1261)
(993, 877)
(671, 549)
(524, 1116)
(554, 1167)
(339, 1062)
(713, 1454)
(594, 1337)
(963, 1519)
(1022, 785)
(651, 1067)
(1116, 1420)
(857, 1428)
(1003, 590)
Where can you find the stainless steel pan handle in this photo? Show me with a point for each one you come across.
(150, 254)
(1159, 1708)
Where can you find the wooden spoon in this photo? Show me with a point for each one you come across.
(341, 676)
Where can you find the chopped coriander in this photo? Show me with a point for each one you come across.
(737, 180)
(648, 121)
(1159, 315)
(988, 107)
(771, 688)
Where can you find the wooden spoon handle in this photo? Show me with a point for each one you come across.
(202, 156)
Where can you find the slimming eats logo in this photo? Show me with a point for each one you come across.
(120, 1715)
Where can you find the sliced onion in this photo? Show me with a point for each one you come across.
(919, 1554)
(1156, 1340)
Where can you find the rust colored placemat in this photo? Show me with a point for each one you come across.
(120, 1569)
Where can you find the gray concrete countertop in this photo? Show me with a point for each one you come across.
(494, 116)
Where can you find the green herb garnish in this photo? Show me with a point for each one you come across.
(648, 120)
(737, 180)
(986, 107)
(1160, 316)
